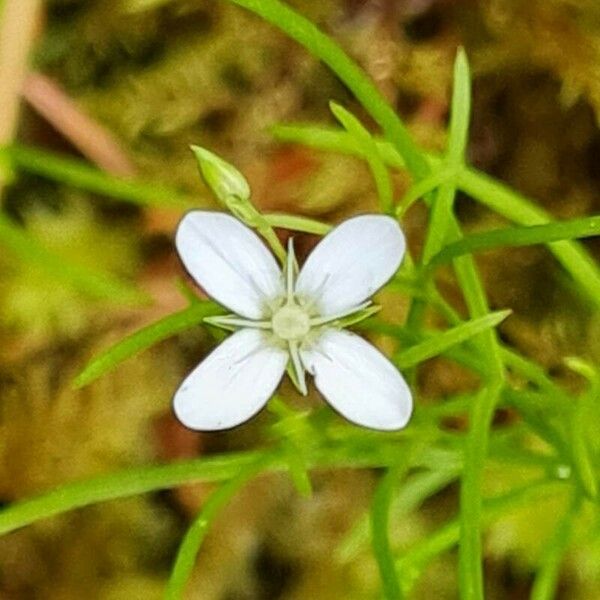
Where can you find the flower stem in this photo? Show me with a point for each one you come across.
(188, 550)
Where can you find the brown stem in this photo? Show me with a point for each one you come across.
(93, 140)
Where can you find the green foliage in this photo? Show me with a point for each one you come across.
(519, 236)
(145, 338)
(186, 557)
(80, 175)
(482, 188)
(365, 140)
(438, 344)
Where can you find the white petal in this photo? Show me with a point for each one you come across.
(229, 261)
(351, 263)
(232, 384)
(358, 381)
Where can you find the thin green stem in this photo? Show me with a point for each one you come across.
(81, 175)
(439, 343)
(442, 206)
(423, 187)
(380, 513)
(145, 338)
(413, 492)
(519, 236)
(546, 579)
(268, 233)
(320, 45)
(297, 223)
(483, 188)
(422, 553)
(470, 554)
(383, 182)
(188, 550)
(141, 480)
(122, 484)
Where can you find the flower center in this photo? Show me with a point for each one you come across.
(290, 322)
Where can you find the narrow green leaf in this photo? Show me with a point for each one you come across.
(480, 418)
(298, 471)
(510, 204)
(423, 187)
(519, 236)
(149, 478)
(96, 284)
(332, 139)
(538, 410)
(438, 344)
(81, 175)
(406, 336)
(486, 190)
(126, 483)
(188, 550)
(583, 428)
(533, 373)
(383, 183)
(143, 339)
(320, 45)
(442, 207)
(380, 512)
(579, 442)
(294, 434)
(440, 215)
(415, 559)
(460, 113)
(414, 491)
(546, 579)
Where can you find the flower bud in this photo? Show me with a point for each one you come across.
(223, 179)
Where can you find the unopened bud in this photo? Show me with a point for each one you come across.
(223, 179)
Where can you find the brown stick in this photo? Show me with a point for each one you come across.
(97, 144)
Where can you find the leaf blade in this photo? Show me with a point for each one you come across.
(143, 339)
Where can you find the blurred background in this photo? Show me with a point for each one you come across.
(128, 85)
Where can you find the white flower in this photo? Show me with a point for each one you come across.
(291, 320)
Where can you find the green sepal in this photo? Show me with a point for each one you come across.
(356, 317)
(291, 372)
(217, 322)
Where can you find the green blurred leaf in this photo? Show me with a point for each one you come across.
(497, 196)
(546, 580)
(442, 207)
(144, 338)
(188, 550)
(96, 284)
(320, 45)
(519, 236)
(81, 175)
(383, 183)
(438, 344)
